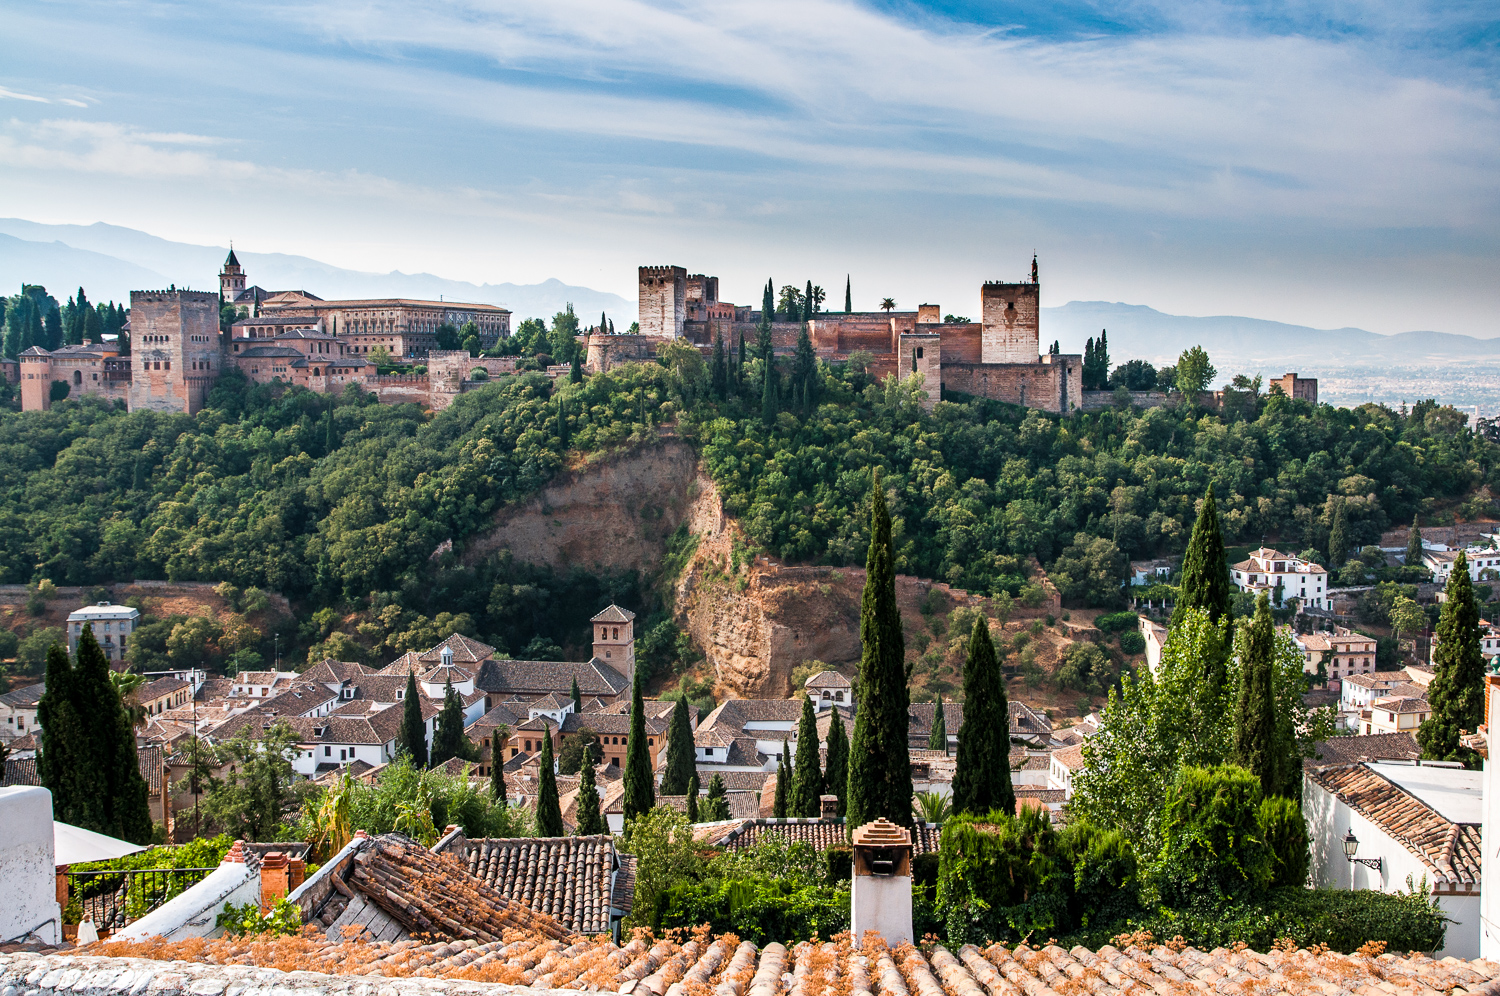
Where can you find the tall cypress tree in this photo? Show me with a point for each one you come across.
(1205, 573)
(938, 738)
(1414, 545)
(1088, 364)
(1101, 360)
(981, 774)
(640, 782)
(575, 372)
(739, 367)
(448, 739)
(720, 370)
(497, 764)
(52, 333)
(716, 801)
(807, 779)
(836, 770)
(413, 736)
(590, 819)
(783, 788)
(1457, 688)
(879, 758)
(64, 764)
(768, 394)
(805, 369)
(330, 439)
(767, 316)
(1255, 710)
(682, 762)
(1338, 537)
(807, 304)
(549, 821)
(75, 330)
(692, 797)
(577, 699)
(848, 296)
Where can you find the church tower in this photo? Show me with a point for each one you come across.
(614, 640)
(231, 279)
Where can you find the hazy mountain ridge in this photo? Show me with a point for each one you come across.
(109, 261)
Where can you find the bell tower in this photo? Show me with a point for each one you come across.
(231, 279)
(614, 640)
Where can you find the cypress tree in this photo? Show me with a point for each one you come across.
(720, 370)
(768, 394)
(52, 330)
(1338, 537)
(548, 812)
(682, 761)
(76, 325)
(981, 776)
(938, 738)
(63, 763)
(807, 779)
(1414, 545)
(783, 776)
(692, 797)
(1205, 574)
(413, 737)
(1088, 364)
(767, 316)
(497, 764)
(575, 373)
(1457, 688)
(879, 759)
(577, 699)
(805, 369)
(848, 297)
(640, 787)
(1255, 711)
(448, 739)
(807, 304)
(739, 367)
(590, 819)
(330, 440)
(836, 774)
(716, 806)
(1101, 360)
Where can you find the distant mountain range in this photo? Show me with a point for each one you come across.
(109, 261)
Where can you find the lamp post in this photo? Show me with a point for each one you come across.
(1351, 845)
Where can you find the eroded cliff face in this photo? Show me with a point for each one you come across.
(615, 514)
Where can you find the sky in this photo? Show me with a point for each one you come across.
(1322, 162)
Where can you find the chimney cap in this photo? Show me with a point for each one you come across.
(881, 833)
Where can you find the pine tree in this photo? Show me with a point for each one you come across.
(836, 771)
(1414, 545)
(938, 738)
(692, 797)
(1255, 711)
(413, 737)
(768, 394)
(640, 782)
(1338, 537)
(448, 739)
(497, 764)
(981, 776)
(549, 821)
(720, 369)
(716, 805)
(1457, 688)
(848, 297)
(879, 759)
(783, 776)
(590, 819)
(1205, 573)
(682, 762)
(577, 699)
(807, 779)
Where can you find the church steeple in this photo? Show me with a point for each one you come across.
(231, 278)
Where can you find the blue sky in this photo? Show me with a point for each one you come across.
(1326, 163)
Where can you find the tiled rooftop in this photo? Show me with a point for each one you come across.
(821, 834)
(570, 878)
(727, 967)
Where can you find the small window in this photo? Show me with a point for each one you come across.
(327, 751)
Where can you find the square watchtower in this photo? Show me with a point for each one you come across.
(614, 640)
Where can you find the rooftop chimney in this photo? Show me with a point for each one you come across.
(274, 878)
(881, 894)
(829, 805)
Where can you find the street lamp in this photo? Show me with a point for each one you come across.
(1351, 845)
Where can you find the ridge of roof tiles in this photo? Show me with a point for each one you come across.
(674, 967)
(570, 878)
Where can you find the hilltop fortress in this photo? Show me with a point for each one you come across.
(997, 357)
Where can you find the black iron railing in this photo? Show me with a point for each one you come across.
(111, 899)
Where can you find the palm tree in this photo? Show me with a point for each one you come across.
(125, 686)
(888, 303)
(933, 807)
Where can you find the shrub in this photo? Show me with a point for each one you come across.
(1133, 642)
(1115, 622)
(284, 918)
(8, 644)
(1285, 832)
(1000, 876)
(759, 909)
(1212, 846)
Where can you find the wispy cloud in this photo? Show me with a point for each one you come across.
(13, 95)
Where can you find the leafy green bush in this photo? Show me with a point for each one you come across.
(1115, 622)
(203, 852)
(1213, 849)
(1285, 831)
(760, 909)
(1133, 642)
(283, 918)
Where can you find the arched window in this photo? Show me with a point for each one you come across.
(616, 634)
(78, 376)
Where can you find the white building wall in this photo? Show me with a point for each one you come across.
(28, 873)
(195, 912)
(1489, 941)
(1328, 819)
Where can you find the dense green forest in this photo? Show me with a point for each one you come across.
(343, 503)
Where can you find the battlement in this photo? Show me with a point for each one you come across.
(150, 296)
(663, 271)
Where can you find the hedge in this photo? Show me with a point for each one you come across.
(1115, 622)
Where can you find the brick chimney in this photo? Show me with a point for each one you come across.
(296, 874)
(880, 895)
(274, 868)
(829, 806)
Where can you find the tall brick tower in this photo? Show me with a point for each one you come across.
(1011, 316)
(175, 349)
(614, 639)
(663, 300)
(231, 278)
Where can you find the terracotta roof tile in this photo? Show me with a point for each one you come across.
(569, 878)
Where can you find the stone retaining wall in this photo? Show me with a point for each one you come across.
(23, 974)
